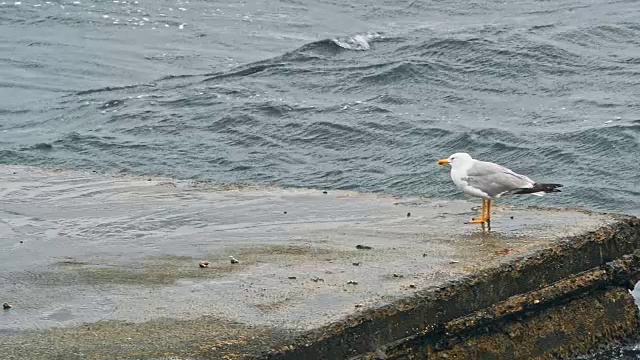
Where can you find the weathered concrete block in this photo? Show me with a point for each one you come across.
(109, 267)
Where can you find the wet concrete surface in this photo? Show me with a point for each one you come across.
(84, 248)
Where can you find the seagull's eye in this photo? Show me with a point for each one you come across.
(453, 158)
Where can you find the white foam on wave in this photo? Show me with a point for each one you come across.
(358, 42)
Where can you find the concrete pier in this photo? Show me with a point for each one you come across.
(103, 267)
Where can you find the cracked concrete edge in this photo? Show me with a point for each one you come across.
(559, 331)
(618, 274)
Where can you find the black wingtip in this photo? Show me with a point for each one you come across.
(547, 188)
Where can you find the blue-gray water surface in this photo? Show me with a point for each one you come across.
(364, 95)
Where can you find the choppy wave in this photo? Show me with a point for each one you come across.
(358, 42)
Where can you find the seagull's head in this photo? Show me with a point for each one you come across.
(457, 159)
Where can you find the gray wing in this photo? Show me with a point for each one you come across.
(496, 180)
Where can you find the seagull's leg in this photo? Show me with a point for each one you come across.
(488, 215)
(482, 218)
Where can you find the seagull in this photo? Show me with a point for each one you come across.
(490, 181)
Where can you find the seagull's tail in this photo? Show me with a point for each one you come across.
(540, 189)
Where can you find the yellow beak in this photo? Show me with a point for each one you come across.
(443, 162)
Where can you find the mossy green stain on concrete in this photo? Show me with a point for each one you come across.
(151, 271)
(167, 269)
(206, 337)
